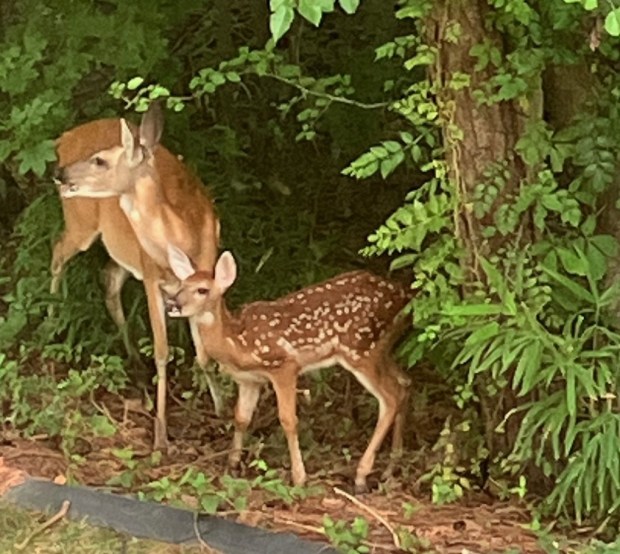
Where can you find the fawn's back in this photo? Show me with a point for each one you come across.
(344, 319)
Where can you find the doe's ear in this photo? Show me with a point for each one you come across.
(133, 152)
(152, 126)
(225, 271)
(179, 262)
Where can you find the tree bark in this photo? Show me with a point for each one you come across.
(489, 135)
(490, 132)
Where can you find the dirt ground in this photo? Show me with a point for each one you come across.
(399, 507)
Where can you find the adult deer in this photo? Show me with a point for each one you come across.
(352, 320)
(95, 162)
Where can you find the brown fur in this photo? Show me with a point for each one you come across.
(89, 218)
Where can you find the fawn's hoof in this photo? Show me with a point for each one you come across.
(361, 487)
(388, 473)
(299, 480)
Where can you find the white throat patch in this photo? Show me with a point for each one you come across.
(207, 318)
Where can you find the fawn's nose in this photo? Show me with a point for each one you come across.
(58, 175)
(172, 306)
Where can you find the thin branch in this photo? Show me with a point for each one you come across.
(372, 512)
(204, 546)
(330, 97)
(56, 517)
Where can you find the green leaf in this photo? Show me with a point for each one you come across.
(280, 21)
(392, 146)
(607, 244)
(158, 91)
(405, 260)
(309, 10)
(572, 262)
(349, 6)
(217, 78)
(36, 157)
(134, 83)
(612, 22)
(210, 503)
(528, 368)
(575, 288)
(484, 333)
(390, 164)
(473, 310)
(597, 261)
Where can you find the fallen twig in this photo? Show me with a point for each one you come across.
(318, 530)
(372, 512)
(33, 453)
(56, 517)
(203, 545)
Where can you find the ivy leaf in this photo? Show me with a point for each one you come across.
(280, 21)
(349, 6)
(612, 22)
(36, 157)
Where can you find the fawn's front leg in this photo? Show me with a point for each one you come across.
(284, 381)
(247, 399)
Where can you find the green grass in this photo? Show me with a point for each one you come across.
(64, 537)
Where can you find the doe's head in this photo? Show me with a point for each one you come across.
(199, 293)
(114, 171)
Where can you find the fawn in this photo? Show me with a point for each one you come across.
(353, 320)
(99, 163)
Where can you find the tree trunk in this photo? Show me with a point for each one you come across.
(476, 136)
(489, 132)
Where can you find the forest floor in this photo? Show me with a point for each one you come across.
(193, 474)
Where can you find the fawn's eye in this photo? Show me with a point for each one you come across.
(99, 162)
(202, 291)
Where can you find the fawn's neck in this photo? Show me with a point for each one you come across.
(220, 332)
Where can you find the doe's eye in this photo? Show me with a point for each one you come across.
(202, 291)
(100, 162)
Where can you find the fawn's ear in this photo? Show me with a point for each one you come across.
(180, 264)
(225, 271)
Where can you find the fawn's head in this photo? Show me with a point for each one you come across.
(114, 171)
(200, 293)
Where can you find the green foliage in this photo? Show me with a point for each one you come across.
(211, 493)
(535, 319)
(40, 402)
(347, 537)
(283, 13)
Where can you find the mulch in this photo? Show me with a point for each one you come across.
(478, 524)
